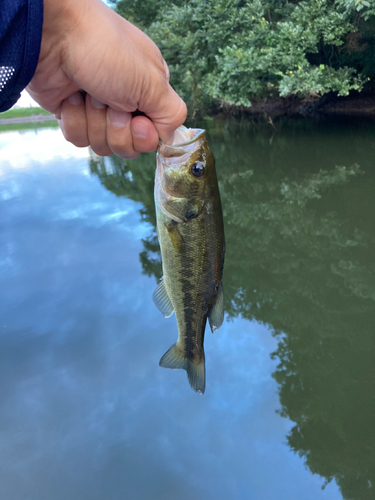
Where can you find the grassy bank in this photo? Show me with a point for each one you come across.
(21, 112)
(27, 126)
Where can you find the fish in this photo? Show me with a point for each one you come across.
(192, 242)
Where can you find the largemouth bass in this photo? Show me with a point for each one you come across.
(191, 235)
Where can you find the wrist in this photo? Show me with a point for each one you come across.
(60, 19)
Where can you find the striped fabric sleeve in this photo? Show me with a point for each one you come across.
(21, 24)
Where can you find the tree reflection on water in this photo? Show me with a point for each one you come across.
(298, 213)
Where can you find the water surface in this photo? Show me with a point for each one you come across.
(86, 412)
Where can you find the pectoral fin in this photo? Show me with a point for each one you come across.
(216, 316)
(162, 301)
(175, 235)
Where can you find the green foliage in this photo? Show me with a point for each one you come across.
(236, 51)
(142, 12)
(365, 7)
(320, 80)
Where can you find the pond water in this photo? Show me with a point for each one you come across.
(289, 408)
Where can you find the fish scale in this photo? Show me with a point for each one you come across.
(191, 236)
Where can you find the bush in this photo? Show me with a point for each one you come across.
(236, 51)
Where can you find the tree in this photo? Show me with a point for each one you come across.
(236, 51)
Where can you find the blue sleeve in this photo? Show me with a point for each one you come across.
(21, 24)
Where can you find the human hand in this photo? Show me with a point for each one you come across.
(86, 46)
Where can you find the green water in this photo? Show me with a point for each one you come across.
(290, 400)
(299, 207)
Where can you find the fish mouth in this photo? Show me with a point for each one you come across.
(184, 137)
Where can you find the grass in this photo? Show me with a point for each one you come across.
(27, 126)
(21, 112)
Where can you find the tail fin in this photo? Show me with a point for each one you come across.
(196, 372)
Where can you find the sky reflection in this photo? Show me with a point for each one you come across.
(86, 412)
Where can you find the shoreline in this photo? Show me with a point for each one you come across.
(27, 119)
(359, 104)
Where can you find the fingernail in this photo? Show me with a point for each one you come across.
(119, 119)
(140, 130)
(75, 99)
(97, 104)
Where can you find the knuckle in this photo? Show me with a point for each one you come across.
(76, 137)
(101, 150)
(121, 147)
(80, 142)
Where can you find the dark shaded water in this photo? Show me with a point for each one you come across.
(86, 412)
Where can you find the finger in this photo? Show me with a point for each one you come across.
(145, 136)
(96, 113)
(59, 121)
(119, 135)
(74, 122)
(167, 112)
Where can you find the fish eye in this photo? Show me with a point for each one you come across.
(197, 169)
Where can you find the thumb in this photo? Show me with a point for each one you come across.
(169, 113)
(164, 106)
